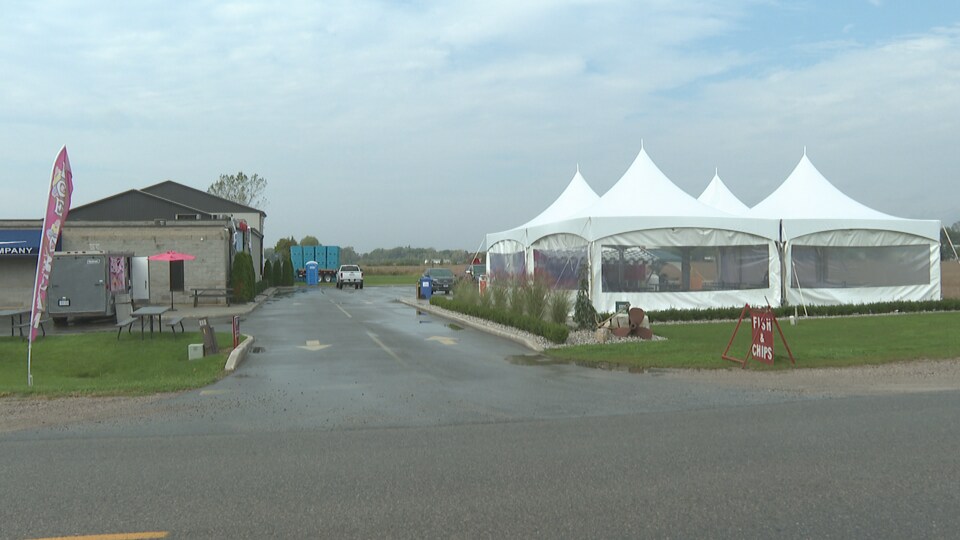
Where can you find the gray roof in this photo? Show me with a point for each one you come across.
(166, 200)
(197, 199)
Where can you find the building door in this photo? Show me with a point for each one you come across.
(140, 278)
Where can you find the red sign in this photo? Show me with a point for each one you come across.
(761, 343)
(762, 347)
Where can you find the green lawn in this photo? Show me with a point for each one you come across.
(833, 342)
(97, 364)
(373, 280)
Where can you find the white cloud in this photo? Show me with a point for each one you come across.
(453, 104)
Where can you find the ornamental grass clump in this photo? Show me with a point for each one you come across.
(559, 305)
(532, 296)
(499, 292)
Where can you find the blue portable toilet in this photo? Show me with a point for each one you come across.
(426, 287)
(313, 273)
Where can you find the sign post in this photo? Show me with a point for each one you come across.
(209, 339)
(236, 331)
(762, 322)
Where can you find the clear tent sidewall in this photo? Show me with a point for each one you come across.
(861, 266)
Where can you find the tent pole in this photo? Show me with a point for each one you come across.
(793, 264)
(949, 241)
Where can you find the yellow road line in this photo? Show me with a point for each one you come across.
(118, 536)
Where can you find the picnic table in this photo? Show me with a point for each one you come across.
(211, 292)
(150, 312)
(16, 318)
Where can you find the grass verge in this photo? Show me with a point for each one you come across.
(373, 280)
(96, 364)
(830, 342)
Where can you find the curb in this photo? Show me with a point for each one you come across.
(238, 354)
(462, 319)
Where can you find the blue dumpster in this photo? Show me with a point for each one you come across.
(426, 287)
(313, 273)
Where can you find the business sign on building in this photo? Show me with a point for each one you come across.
(19, 242)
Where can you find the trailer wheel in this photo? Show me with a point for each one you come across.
(327, 278)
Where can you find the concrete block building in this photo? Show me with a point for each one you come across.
(142, 222)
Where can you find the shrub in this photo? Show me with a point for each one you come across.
(531, 296)
(262, 285)
(584, 314)
(713, 314)
(286, 275)
(499, 295)
(268, 272)
(559, 306)
(557, 333)
(466, 290)
(242, 277)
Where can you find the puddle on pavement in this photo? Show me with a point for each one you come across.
(257, 350)
(533, 360)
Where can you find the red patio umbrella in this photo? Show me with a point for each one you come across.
(171, 257)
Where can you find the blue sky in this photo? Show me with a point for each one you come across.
(380, 123)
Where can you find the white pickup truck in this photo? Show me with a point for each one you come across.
(349, 274)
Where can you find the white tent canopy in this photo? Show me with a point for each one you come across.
(577, 195)
(507, 250)
(718, 196)
(702, 256)
(805, 243)
(838, 250)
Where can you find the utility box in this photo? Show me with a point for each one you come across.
(426, 287)
(83, 283)
(313, 273)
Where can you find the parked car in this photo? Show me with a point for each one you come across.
(441, 278)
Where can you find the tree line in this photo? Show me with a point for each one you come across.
(398, 256)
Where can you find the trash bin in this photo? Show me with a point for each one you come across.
(313, 273)
(426, 288)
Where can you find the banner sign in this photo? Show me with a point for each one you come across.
(118, 274)
(762, 348)
(58, 205)
(19, 242)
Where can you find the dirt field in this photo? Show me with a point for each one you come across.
(417, 270)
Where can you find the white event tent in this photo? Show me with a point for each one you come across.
(838, 251)
(507, 250)
(649, 243)
(717, 195)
